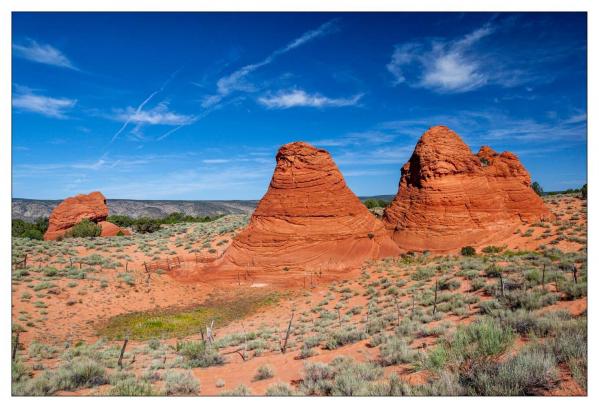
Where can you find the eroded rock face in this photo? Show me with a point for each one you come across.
(449, 197)
(75, 209)
(308, 217)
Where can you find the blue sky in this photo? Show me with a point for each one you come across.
(195, 105)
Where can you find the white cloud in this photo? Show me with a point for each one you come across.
(445, 67)
(299, 98)
(159, 115)
(43, 54)
(236, 81)
(26, 100)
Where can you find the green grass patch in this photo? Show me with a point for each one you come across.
(184, 322)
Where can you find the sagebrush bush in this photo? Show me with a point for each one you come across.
(180, 383)
(280, 390)
(468, 251)
(131, 387)
(524, 374)
(264, 372)
(81, 372)
(240, 391)
(198, 354)
(395, 351)
(482, 338)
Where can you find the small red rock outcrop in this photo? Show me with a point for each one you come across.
(308, 218)
(76, 209)
(449, 197)
(111, 230)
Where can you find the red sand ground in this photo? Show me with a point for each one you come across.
(80, 320)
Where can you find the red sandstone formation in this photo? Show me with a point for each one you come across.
(308, 218)
(76, 209)
(111, 230)
(449, 197)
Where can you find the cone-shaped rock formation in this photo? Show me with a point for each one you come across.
(76, 209)
(307, 218)
(449, 197)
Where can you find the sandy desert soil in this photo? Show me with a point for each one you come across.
(381, 329)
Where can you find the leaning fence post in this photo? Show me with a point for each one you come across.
(120, 362)
(543, 277)
(284, 348)
(436, 289)
(16, 346)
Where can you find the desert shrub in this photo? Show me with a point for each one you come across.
(374, 203)
(395, 351)
(393, 387)
(154, 344)
(131, 387)
(127, 278)
(81, 372)
(40, 385)
(316, 379)
(239, 391)
(488, 306)
(524, 374)
(306, 352)
(422, 274)
(198, 354)
(264, 372)
(569, 346)
(468, 251)
(573, 290)
(344, 336)
(24, 229)
(484, 338)
(491, 249)
(537, 188)
(343, 376)
(19, 371)
(84, 229)
(530, 300)
(525, 322)
(121, 220)
(493, 271)
(146, 225)
(280, 390)
(180, 383)
(41, 351)
(33, 234)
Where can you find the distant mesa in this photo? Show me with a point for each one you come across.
(81, 207)
(449, 197)
(308, 218)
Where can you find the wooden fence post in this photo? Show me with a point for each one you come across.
(436, 290)
(120, 362)
(284, 347)
(543, 277)
(16, 346)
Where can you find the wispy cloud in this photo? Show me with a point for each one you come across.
(442, 66)
(236, 81)
(216, 161)
(159, 115)
(26, 100)
(299, 98)
(489, 126)
(43, 53)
